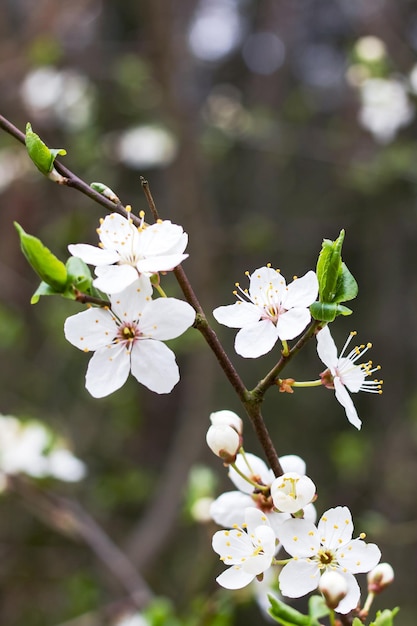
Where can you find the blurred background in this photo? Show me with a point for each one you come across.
(263, 127)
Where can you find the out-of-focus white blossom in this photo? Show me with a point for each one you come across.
(31, 448)
(385, 107)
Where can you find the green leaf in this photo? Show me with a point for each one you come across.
(385, 618)
(79, 274)
(287, 616)
(346, 287)
(357, 622)
(329, 266)
(43, 290)
(324, 311)
(48, 267)
(105, 191)
(317, 607)
(42, 156)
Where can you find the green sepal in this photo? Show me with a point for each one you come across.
(346, 287)
(288, 616)
(79, 275)
(42, 156)
(329, 266)
(48, 267)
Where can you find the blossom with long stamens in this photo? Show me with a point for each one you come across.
(343, 372)
(248, 549)
(126, 251)
(128, 336)
(327, 548)
(269, 310)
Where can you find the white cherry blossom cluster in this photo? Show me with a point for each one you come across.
(266, 513)
(127, 336)
(31, 448)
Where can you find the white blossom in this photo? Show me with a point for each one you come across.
(127, 251)
(291, 492)
(128, 337)
(329, 547)
(334, 588)
(248, 549)
(269, 310)
(380, 577)
(343, 373)
(230, 506)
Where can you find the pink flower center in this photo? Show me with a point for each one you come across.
(128, 333)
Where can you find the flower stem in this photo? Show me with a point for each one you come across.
(307, 383)
(248, 480)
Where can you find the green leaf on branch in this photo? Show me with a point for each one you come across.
(346, 287)
(288, 616)
(329, 266)
(336, 283)
(44, 290)
(48, 267)
(42, 156)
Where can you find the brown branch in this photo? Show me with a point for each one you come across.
(69, 518)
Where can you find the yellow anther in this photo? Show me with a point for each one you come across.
(247, 273)
(362, 535)
(128, 208)
(295, 277)
(268, 264)
(100, 245)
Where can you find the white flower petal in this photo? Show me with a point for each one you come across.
(326, 348)
(255, 518)
(265, 284)
(259, 563)
(129, 304)
(160, 263)
(351, 600)
(117, 233)
(299, 537)
(166, 318)
(232, 545)
(345, 400)
(163, 238)
(237, 315)
(253, 467)
(153, 364)
(62, 464)
(301, 292)
(293, 463)
(114, 278)
(227, 417)
(350, 375)
(298, 578)
(292, 323)
(229, 508)
(256, 340)
(358, 556)
(336, 527)
(93, 255)
(91, 329)
(107, 370)
(234, 578)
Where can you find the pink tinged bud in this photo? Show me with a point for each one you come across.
(227, 418)
(224, 441)
(334, 588)
(380, 577)
(292, 492)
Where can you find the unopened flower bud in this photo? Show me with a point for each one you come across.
(334, 588)
(380, 577)
(227, 418)
(292, 492)
(224, 441)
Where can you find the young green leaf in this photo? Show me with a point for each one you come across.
(287, 616)
(48, 267)
(346, 287)
(79, 274)
(317, 607)
(42, 156)
(385, 618)
(328, 267)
